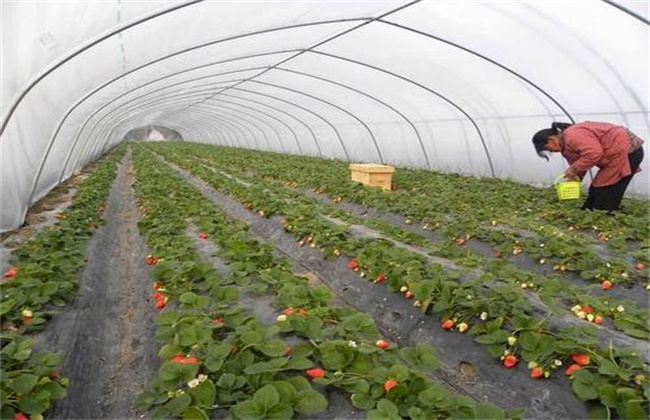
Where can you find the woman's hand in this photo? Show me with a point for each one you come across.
(570, 175)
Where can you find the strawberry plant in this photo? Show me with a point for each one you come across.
(250, 358)
(45, 272)
(534, 229)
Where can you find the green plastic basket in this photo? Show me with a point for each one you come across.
(567, 190)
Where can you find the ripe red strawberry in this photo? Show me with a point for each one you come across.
(219, 321)
(157, 295)
(11, 273)
(353, 264)
(572, 369)
(639, 266)
(581, 359)
(598, 320)
(288, 350)
(447, 324)
(20, 416)
(380, 278)
(315, 373)
(160, 304)
(202, 235)
(302, 312)
(27, 320)
(54, 374)
(390, 384)
(382, 344)
(510, 361)
(177, 358)
(606, 284)
(288, 311)
(536, 373)
(189, 360)
(408, 294)
(587, 309)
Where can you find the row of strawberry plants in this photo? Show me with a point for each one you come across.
(445, 203)
(630, 321)
(44, 272)
(377, 374)
(625, 315)
(535, 343)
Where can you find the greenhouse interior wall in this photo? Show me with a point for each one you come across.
(432, 88)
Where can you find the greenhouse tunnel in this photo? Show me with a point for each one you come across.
(206, 148)
(447, 86)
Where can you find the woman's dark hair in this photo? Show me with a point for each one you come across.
(541, 137)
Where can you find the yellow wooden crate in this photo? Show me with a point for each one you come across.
(373, 175)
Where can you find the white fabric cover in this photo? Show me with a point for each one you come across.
(337, 79)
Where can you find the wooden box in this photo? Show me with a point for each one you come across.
(373, 175)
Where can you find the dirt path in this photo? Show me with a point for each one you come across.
(107, 333)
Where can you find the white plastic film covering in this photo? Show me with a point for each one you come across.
(457, 86)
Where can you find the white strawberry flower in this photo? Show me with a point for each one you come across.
(484, 316)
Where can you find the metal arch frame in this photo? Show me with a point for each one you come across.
(408, 121)
(243, 90)
(157, 60)
(324, 101)
(628, 11)
(439, 95)
(255, 33)
(293, 133)
(178, 53)
(223, 120)
(180, 83)
(70, 110)
(483, 57)
(331, 38)
(313, 135)
(227, 81)
(541, 16)
(52, 139)
(225, 124)
(255, 118)
(229, 136)
(372, 137)
(247, 124)
(86, 145)
(37, 79)
(207, 131)
(235, 128)
(219, 132)
(75, 141)
(132, 103)
(186, 96)
(329, 124)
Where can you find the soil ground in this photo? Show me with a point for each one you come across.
(107, 332)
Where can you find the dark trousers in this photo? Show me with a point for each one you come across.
(609, 197)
